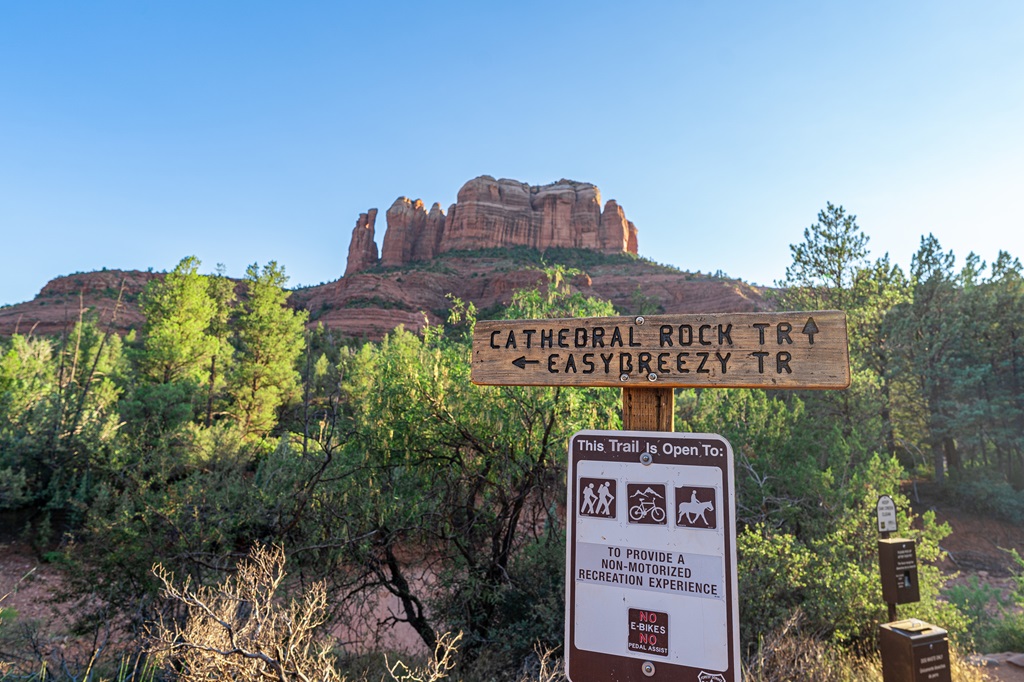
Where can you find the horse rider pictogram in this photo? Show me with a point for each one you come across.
(696, 508)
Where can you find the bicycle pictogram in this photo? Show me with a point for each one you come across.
(646, 503)
(645, 507)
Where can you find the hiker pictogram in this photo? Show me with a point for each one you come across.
(646, 503)
(597, 497)
(696, 507)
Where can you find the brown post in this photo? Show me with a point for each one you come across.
(892, 606)
(648, 409)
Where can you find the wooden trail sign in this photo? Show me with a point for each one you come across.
(792, 350)
(649, 356)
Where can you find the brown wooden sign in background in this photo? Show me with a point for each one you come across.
(726, 350)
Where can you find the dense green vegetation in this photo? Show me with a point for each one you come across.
(225, 426)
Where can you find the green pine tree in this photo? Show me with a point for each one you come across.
(179, 310)
(268, 342)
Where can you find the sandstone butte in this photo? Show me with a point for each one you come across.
(427, 255)
(491, 213)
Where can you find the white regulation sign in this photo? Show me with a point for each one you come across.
(651, 558)
(885, 511)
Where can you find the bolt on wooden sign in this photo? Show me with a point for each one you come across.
(727, 350)
(651, 558)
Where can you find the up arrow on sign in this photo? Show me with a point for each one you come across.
(810, 329)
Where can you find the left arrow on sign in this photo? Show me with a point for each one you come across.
(522, 362)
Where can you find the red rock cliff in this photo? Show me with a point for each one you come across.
(362, 250)
(496, 213)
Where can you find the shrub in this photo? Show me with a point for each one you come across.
(832, 577)
(994, 623)
(988, 493)
(240, 630)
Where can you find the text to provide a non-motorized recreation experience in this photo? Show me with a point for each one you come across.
(645, 569)
(753, 350)
(651, 566)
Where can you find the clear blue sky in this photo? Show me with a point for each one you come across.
(135, 133)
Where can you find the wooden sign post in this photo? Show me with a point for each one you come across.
(624, 534)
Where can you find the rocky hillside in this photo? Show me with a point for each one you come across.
(493, 240)
(371, 303)
(112, 294)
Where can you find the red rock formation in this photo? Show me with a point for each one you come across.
(500, 213)
(369, 305)
(362, 250)
(407, 220)
(614, 233)
(554, 204)
(490, 213)
(429, 244)
(586, 218)
(111, 295)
